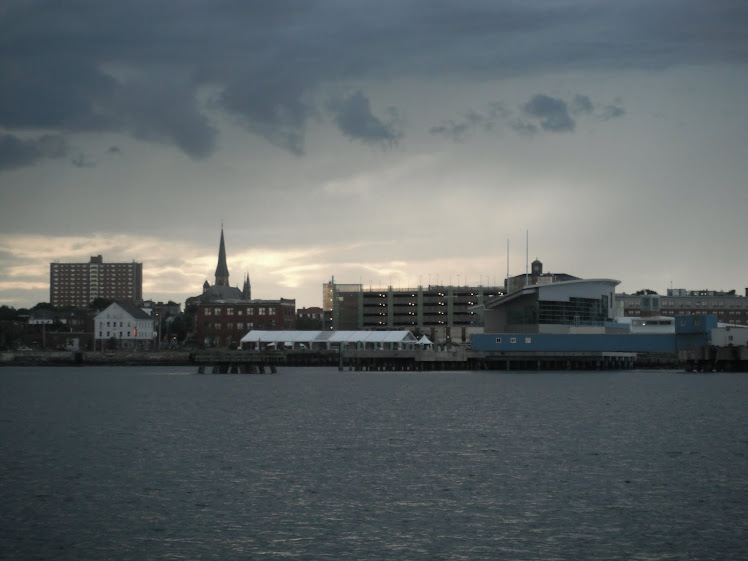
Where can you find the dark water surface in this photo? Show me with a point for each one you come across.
(160, 463)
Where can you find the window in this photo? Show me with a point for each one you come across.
(513, 340)
(528, 340)
(229, 311)
(218, 311)
(207, 311)
(498, 340)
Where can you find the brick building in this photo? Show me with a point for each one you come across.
(78, 284)
(224, 314)
(729, 307)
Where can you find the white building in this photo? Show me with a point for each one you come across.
(130, 326)
(572, 306)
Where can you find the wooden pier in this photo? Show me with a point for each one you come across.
(237, 362)
(463, 359)
(460, 358)
(715, 359)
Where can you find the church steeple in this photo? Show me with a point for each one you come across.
(222, 270)
(247, 290)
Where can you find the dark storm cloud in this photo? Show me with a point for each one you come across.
(581, 104)
(612, 111)
(540, 113)
(451, 129)
(161, 108)
(550, 112)
(137, 67)
(16, 152)
(274, 109)
(82, 161)
(354, 118)
(472, 120)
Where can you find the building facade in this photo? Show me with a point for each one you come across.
(444, 312)
(78, 284)
(124, 326)
(223, 314)
(572, 306)
(728, 307)
(224, 323)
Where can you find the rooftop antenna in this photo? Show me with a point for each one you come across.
(527, 257)
(507, 258)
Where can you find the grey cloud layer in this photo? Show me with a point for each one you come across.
(541, 113)
(137, 67)
(354, 118)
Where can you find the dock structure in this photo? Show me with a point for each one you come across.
(463, 359)
(714, 359)
(237, 362)
(556, 361)
(459, 358)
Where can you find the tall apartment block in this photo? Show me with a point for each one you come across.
(78, 284)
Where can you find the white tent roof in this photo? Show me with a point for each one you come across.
(372, 337)
(259, 336)
(424, 341)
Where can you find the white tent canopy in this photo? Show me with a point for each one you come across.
(324, 340)
(425, 342)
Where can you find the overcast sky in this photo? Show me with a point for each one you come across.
(385, 143)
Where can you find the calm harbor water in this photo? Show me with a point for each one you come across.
(160, 463)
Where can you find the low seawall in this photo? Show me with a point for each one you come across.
(223, 360)
(109, 358)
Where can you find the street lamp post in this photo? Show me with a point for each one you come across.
(158, 332)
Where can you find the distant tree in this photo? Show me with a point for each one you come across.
(645, 291)
(8, 313)
(308, 324)
(177, 328)
(101, 303)
(43, 306)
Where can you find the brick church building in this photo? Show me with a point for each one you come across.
(224, 314)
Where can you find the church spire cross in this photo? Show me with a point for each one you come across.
(222, 270)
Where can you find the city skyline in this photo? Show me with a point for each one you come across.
(436, 283)
(401, 145)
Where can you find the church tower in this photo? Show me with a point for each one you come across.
(247, 290)
(222, 270)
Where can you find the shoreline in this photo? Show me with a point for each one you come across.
(96, 358)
